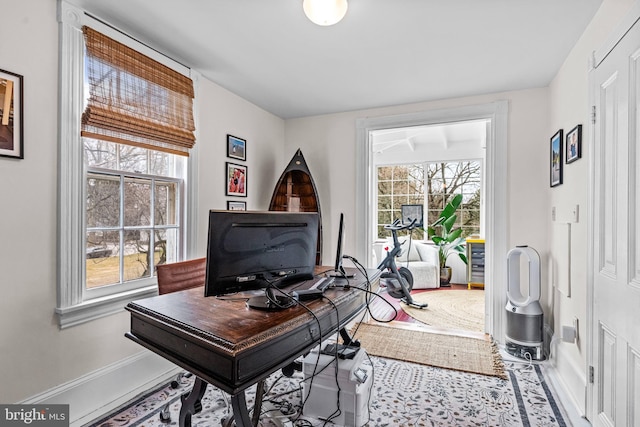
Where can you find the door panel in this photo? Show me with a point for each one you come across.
(616, 246)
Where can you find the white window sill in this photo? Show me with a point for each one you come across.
(100, 307)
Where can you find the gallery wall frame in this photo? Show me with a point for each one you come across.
(555, 160)
(236, 180)
(236, 148)
(573, 144)
(11, 113)
(234, 205)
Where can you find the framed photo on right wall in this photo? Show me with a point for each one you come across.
(574, 144)
(555, 161)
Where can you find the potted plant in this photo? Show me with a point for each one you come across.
(447, 238)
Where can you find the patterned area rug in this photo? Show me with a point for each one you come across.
(450, 309)
(479, 356)
(402, 394)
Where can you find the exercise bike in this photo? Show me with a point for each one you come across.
(401, 280)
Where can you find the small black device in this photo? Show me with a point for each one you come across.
(343, 351)
(307, 294)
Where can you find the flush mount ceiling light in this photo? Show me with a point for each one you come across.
(325, 12)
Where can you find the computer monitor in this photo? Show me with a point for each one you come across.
(253, 249)
(338, 270)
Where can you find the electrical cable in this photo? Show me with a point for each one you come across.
(368, 291)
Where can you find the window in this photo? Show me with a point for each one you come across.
(433, 185)
(132, 212)
(125, 194)
(398, 185)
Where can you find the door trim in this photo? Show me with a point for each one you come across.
(496, 191)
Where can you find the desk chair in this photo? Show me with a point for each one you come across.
(175, 277)
(179, 276)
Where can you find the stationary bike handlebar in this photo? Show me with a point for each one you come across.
(397, 225)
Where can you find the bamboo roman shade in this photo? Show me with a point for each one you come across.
(134, 99)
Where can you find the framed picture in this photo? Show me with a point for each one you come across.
(236, 147)
(11, 108)
(556, 158)
(236, 206)
(574, 144)
(236, 180)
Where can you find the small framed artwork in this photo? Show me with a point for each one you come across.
(236, 180)
(556, 158)
(236, 148)
(236, 206)
(574, 144)
(11, 108)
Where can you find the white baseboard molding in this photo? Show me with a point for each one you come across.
(97, 393)
(571, 380)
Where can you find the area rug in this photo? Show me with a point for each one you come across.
(451, 309)
(478, 356)
(402, 394)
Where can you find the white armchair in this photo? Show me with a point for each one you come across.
(421, 259)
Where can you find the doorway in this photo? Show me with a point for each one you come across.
(496, 116)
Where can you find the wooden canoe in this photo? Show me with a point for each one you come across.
(296, 192)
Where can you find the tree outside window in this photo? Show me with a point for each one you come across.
(131, 210)
(433, 185)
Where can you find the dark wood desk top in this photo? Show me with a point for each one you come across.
(232, 346)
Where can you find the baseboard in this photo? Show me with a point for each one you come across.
(574, 409)
(97, 393)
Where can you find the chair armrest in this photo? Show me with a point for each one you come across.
(428, 253)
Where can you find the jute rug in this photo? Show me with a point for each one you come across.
(450, 309)
(478, 356)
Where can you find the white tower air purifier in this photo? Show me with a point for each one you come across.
(524, 337)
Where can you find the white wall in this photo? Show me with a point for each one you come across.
(220, 113)
(35, 355)
(328, 142)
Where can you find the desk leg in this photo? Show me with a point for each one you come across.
(191, 403)
(239, 405)
(240, 412)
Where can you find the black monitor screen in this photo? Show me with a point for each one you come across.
(251, 249)
(412, 213)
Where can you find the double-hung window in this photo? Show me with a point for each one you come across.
(126, 136)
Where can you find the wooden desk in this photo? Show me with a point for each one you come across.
(227, 344)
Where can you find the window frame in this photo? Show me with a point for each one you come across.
(73, 306)
(426, 208)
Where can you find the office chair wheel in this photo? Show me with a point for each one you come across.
(408, 279)
(165, 414)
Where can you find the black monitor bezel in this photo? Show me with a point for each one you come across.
(217, 284)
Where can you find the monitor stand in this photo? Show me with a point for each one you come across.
(270, 302)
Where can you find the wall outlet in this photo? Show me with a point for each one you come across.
(568, 334)
(553, 213)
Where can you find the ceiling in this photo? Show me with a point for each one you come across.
(470, 136)
(383, 53)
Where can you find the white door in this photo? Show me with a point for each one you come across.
(614, 394)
